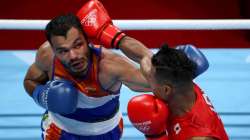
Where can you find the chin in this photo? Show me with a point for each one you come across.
(82, 71)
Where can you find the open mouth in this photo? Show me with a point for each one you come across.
(78, 65)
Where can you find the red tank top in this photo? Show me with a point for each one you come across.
(201, 121)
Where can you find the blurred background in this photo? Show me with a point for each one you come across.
(134, 9)
(227, 82)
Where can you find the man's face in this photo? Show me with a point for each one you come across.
(159, 90)
(72, 51)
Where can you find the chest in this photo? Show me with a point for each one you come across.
(178, 130)
(97, 82)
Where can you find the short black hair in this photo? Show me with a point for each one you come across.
(172, 66)
(60, 25)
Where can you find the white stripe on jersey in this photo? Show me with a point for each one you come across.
(85, 128)
(85, 101)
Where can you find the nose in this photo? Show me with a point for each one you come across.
(72, 54)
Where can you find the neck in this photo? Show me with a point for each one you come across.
(182, 101)
(80, 75)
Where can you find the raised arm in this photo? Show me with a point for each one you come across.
(58, 96)
(38, 72)
(134, 49)
(122, 70)
(101, 29)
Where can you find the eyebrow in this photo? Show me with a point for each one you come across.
(60, 48)
(77, 39)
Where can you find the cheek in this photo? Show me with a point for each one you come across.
(63, 58)
(83, 51)
(156, 89)
(160, 94)
(157, 93)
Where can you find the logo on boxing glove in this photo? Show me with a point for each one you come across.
(143, 126)
(90, 18)
(44, 97)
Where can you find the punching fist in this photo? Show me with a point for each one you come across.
(98, 25)
(59, 96)
(196, 56)
(149, 115)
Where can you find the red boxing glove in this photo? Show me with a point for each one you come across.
(149, 115)
(98, 25)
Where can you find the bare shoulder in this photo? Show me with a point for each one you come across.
(117, 68)
(110, 58)
(44, 57)
(107, 61)
(108, 54)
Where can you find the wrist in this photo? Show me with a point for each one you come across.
(111, 36)
(117, 40)
(160, 136)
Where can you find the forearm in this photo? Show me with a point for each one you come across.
(137, 82)
(134, 49)
(30, 86)
(58, 96)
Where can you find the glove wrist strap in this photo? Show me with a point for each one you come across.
(156, 135)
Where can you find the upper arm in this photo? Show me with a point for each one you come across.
(202, 138)
(131, 76)
(44, 57)
(38, 71)
(123, 70)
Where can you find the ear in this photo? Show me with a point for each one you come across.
(167, 89)
(164, 92)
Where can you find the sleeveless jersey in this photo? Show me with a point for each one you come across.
(201, 121)
(97, 109)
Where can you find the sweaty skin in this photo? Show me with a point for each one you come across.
(73, 51)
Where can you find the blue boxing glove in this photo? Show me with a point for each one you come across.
(59, 96)
(196, 56)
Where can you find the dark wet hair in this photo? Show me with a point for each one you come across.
(60, 25)
(172, 66)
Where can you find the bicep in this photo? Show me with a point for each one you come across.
(38, 71)
(44, 57)
(130, 75)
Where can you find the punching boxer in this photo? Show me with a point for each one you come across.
(79, 83)
(170, 73)
(191, 114)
